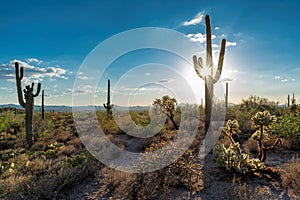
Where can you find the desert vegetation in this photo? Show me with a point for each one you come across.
(42, 155)
(57, 163)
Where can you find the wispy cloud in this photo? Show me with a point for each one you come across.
(196, 20)
(198, 37)
(7, 71)
(228, 44)
(82, 77)
(277, 77)
(217, 28)
(227, 79)
(284, 80)
(165, 80)
(34, 60)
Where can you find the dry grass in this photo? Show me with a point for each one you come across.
(292, 177)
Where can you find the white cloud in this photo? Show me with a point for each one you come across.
(227, 79)
(33, 60)
(165, 80)
(284, 80)
(147, 74)
(198, 37)
(228, 44)
(277, 77)
(196, 20)
(31, 72)
(217, 28)
(215, 46)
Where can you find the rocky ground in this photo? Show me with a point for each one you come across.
(220, 185)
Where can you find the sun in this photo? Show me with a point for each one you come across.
(205, 72)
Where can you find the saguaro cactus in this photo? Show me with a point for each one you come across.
(108, 106)
(293, 99)
(207, 72)
(28, 104)
(226, 97)
(43, 110)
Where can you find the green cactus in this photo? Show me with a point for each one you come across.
(231, 130)
(108, 106)
(226, 97)
(207, 72)
(232, 158)
(28, 104)
(43, 110)
(263, 121)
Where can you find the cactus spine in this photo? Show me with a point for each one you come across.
(28, 104)
(209, 79)
(43, 110)
(108, 106)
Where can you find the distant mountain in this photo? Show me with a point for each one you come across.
(69, 108)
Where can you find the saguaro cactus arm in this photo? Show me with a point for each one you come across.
(208, 44)
(19, 77)
(38, 90)
(220, 63)
(198, 64)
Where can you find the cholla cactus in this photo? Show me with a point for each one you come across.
(231, 130)
(232, 158)
(231, 127)
(263, 121)
(207, 72)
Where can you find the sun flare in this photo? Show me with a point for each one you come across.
(205, 71)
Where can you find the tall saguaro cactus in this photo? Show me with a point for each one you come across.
(226, 97)
(28, 104)
(108, 106)
(43, 109)
(207, 72)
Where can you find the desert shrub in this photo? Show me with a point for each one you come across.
(185, 172)
(108, 125)
(288, 127)
(3, 120)
(141, 119)
(78, 159)
(243, 117)
(41, 178)
(113, 178)
(292, 177)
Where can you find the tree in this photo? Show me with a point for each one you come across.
(166, 105)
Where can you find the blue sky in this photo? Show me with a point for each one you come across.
(51, 39)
